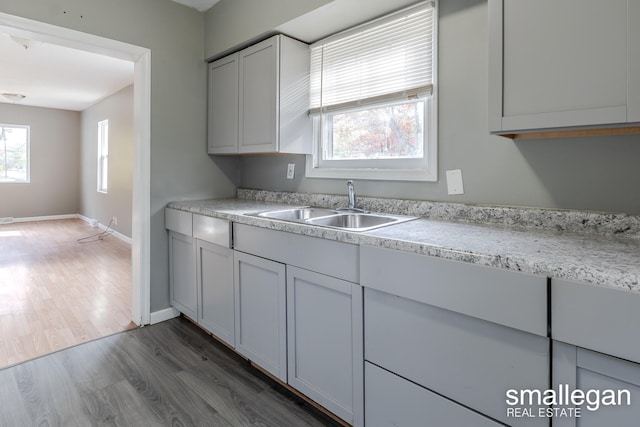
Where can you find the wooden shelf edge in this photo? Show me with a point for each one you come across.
(574, 133)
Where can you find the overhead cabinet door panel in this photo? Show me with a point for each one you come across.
(259, 97)
(223, 105)
(561, 64)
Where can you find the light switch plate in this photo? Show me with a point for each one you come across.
(454, 182)
(291, 170)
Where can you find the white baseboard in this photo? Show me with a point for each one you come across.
(45, 218)
(103, 227)
(162, 315)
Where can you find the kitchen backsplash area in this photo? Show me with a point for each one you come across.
(603, 223)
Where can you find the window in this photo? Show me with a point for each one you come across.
(373, 99)
(103, 155)
(14, 153)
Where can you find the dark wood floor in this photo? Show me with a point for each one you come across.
(170, 374)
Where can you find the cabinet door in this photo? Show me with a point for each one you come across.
(260, 302)
(585, 370)
(182, 278)
(324, 321)
(215, 287)
(557, 64)
(223, 106)
(259, 101)
(462, 358)
(394, 401)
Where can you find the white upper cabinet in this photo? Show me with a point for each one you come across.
(563, 64)
(223, 105)
(259, 99)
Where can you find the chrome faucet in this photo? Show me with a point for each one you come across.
(352, 194)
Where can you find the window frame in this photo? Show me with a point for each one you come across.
(424, 169)
(28, 154)
(103, 157)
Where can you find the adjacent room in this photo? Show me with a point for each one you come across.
(66, 161)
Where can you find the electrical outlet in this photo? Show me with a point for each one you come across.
(454, 182)
(291, 170)
(114, 220)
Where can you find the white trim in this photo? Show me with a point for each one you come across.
(45, 218)
(103, 227)
(429, 171)
(162, 315)
(141, 216)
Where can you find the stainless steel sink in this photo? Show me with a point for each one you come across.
(297, 214)
(342, 220)
(358, 221)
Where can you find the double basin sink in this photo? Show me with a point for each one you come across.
(348, 220)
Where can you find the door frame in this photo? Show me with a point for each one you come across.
(141, 210)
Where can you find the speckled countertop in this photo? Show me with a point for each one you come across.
(597, 248)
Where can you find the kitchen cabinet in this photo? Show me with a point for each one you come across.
(214, 270)
(563, 65)
(183, 291)
(223, 106)
(259, 99)
(260, 312)
(581, 369)
(182, 259)
(324, 328)
(595, 347)
(394, 401)
(602, 319)
(465, 332)
(201, 271)
(322, 319)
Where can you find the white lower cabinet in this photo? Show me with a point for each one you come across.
(299, 315)
(463, 334)
(201, 271)
(468, 360)
(595, 374)
(586, 322)
(324, 328)
(183, 293)
(394, 401)
(214, 267)
(260, 312)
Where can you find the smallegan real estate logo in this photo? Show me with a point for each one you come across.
(563, 402)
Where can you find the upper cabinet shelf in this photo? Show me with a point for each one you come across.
(563, 65)
(259, 99)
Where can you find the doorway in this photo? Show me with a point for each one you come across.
(141, 57)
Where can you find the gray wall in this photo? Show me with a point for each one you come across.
(118, 109)
(55, 144)
(233, 23)
(180, 169)
(595, 173)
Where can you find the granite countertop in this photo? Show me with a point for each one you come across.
(604, 251)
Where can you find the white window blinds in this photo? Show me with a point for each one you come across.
(389, 58)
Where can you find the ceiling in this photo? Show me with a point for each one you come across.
(201, 5)
(53, 76)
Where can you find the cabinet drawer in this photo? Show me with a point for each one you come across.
(394, 401)
(513, 299)
(328, 257)
(597, 318)
(178, 221)
(465, 359)
(212, 230)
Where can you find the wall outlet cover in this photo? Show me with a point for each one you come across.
(454, 182)
(291, 170)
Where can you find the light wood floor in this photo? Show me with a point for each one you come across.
(56, 292)
(167, 374)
